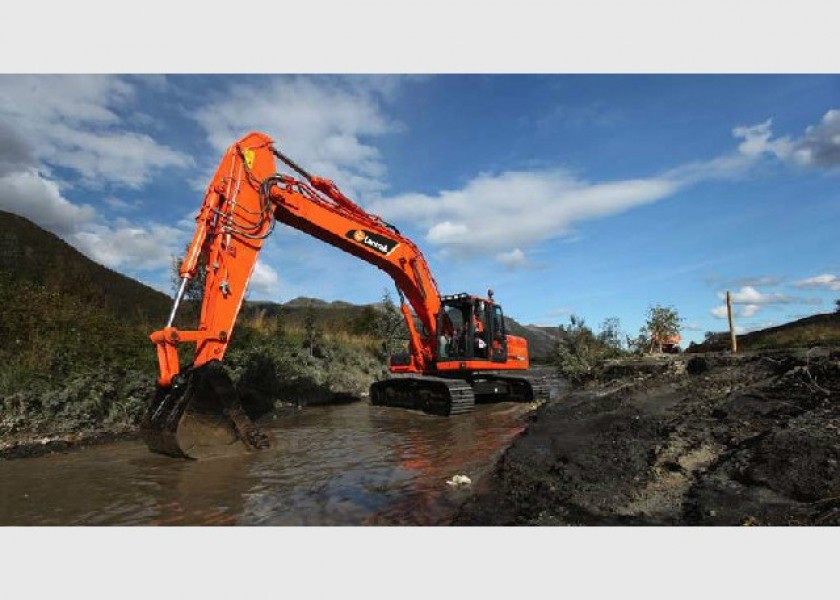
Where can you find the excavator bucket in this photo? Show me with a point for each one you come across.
(200, 416)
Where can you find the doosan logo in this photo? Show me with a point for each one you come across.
(372, 240)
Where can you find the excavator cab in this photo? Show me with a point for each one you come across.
(471, 328)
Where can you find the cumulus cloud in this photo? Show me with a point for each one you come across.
(30, 195)
(73, 121)
(128, 245)
(750, 295)
(748, 301)
(826, 281)
(819, 146)
(324, 124)
(745, 310)
(515, 258)
(264, 280)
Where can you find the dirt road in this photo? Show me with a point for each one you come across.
(713, 439)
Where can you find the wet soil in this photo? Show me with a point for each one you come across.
(713, 439)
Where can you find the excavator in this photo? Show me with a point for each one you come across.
(458, 348)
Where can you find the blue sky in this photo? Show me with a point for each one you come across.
(598, 195)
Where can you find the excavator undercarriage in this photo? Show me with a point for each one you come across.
(455, 395)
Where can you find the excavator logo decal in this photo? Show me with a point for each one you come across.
(372, 240)
(249, 158)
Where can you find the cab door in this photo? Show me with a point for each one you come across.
(498, 335)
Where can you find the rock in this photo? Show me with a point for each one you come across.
(459, 481)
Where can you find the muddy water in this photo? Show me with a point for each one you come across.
(338, 465)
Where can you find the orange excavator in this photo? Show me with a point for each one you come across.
(458, 346)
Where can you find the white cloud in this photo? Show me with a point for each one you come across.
(127, 245)
(748, 301)
(264, 280)
(28, 194)
(819, 146)
(719, 312)
(826, 280)
(324, 124)
(750, 295)
(513, 259)
(749, 310)
(746, 311)
(73, 122)
(504, 213)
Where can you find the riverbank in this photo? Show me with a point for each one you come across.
(710, 439)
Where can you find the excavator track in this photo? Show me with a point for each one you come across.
(528, 387)
(432, 395)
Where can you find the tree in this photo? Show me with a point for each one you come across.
(389, 324)
(610, 333)
(662, 323)
(837, 304)
(312, 332)
(579, 351)
(280, 325)
(365, 322)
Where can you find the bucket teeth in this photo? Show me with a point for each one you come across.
(200, 416)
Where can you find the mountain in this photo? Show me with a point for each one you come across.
(29, 254)
(541, 340)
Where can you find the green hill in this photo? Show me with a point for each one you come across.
(816, 330)
(31, 255)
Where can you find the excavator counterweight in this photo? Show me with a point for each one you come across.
(458, 351)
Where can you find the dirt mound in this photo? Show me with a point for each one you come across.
(711, 439)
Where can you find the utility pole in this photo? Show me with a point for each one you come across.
(732, 336)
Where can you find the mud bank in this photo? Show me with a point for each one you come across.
(714, 439)
(31, 446)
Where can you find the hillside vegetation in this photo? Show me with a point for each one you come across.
(816, 330)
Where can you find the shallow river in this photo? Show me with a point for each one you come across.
(336, 465)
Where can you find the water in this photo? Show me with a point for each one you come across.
(337, 465)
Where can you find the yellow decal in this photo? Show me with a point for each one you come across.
(249, 158)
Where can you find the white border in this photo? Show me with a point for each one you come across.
(432, 36)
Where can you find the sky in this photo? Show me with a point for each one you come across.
(594, 195)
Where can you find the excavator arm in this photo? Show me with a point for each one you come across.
(196, 411)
